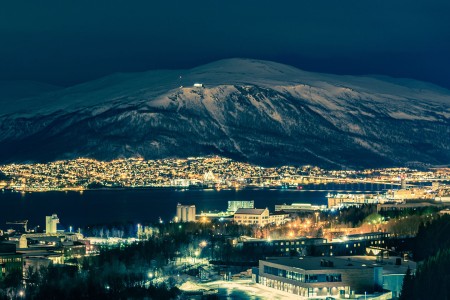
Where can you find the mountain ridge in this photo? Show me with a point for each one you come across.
(258, 111)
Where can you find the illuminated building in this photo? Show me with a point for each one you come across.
(280, 247)
(185, 213)
(233, 206)
(278, 217)
(51, 223)
(299, 207)
(9, 259)
(341, 277)
(252, 216)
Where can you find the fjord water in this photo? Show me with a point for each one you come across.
(140, 205)
(135, 205)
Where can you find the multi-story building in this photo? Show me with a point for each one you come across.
(185, 213)
(299, 208)
(346, 200)
(259, 248)
(341, 277)
(252, 216)
(355, 244)
(278, 218)
(406, 206)
(410, 194)
(51, 223)
(9, 260)
(233, 206)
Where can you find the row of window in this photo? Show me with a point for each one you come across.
(9, 260)
(346, 246)
(304, 291)
(307, 278)
(377, 242)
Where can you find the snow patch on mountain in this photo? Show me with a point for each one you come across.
(260, 111)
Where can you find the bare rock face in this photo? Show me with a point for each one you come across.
(256, 111)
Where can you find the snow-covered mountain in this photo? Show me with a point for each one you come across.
(257, 111)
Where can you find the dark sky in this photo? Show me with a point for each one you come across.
(67, 42)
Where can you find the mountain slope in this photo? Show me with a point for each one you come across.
(258, 111)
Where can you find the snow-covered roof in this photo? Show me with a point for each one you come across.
(250, 211)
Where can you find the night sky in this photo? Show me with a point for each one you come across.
(68, 42)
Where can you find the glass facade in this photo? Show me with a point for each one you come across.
(306, 278)
(304, 291)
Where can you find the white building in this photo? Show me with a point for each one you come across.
(252, 216)
(299, 207)
(185, 213)
(278, 218)
(336, 277)
(233, 206)
(51, 223)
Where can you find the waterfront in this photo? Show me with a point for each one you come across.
(135, 205)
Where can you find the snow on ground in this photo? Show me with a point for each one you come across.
(246, 289)
(323, 89)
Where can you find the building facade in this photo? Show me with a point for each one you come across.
(278, 218)
(10, 261)
(299, 208)
(252, 216)
(185, 213)
(51, 223)
(317, 277)
(233, 206)
(260, 248)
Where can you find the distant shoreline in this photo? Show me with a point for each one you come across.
(181, 189)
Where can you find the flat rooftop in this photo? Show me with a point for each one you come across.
(388, 264)
(343, 262)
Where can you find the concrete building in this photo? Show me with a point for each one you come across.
(355, 244)
(410, 194)
(36, 262)
(444, 212)
(185, 213)
(394, 270)
(299, 208)
(252, 216)
(260, 248)
(405, 206)
(278, 218)
(233, 206)
(32, 240)
(313, 277)
(51, 223)
(347, 200)
(9, 260)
